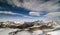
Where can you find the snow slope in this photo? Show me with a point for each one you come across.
(6, 31)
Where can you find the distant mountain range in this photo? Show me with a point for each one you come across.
(38, 23)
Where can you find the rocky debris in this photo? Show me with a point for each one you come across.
(24, 25)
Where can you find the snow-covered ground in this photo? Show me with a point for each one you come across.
(1, 29)
(6, 31)
(37, 32)
(54, 32)
(24, 33)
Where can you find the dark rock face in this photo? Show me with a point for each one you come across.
(25, 25)
(46, 27)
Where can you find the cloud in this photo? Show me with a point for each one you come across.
(9, 12)
(55, 16)
(34, 13)
(52, 15)
(15, 3)
(12, 13)
(36, 5)
(47, 6)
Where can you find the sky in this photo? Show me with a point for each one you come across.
(29, 10)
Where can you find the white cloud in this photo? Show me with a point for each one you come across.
(34, 13)
(15, 3)
(47, 6)
(52, 15)
(35, 5)
(12, 13)
(9, 12)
